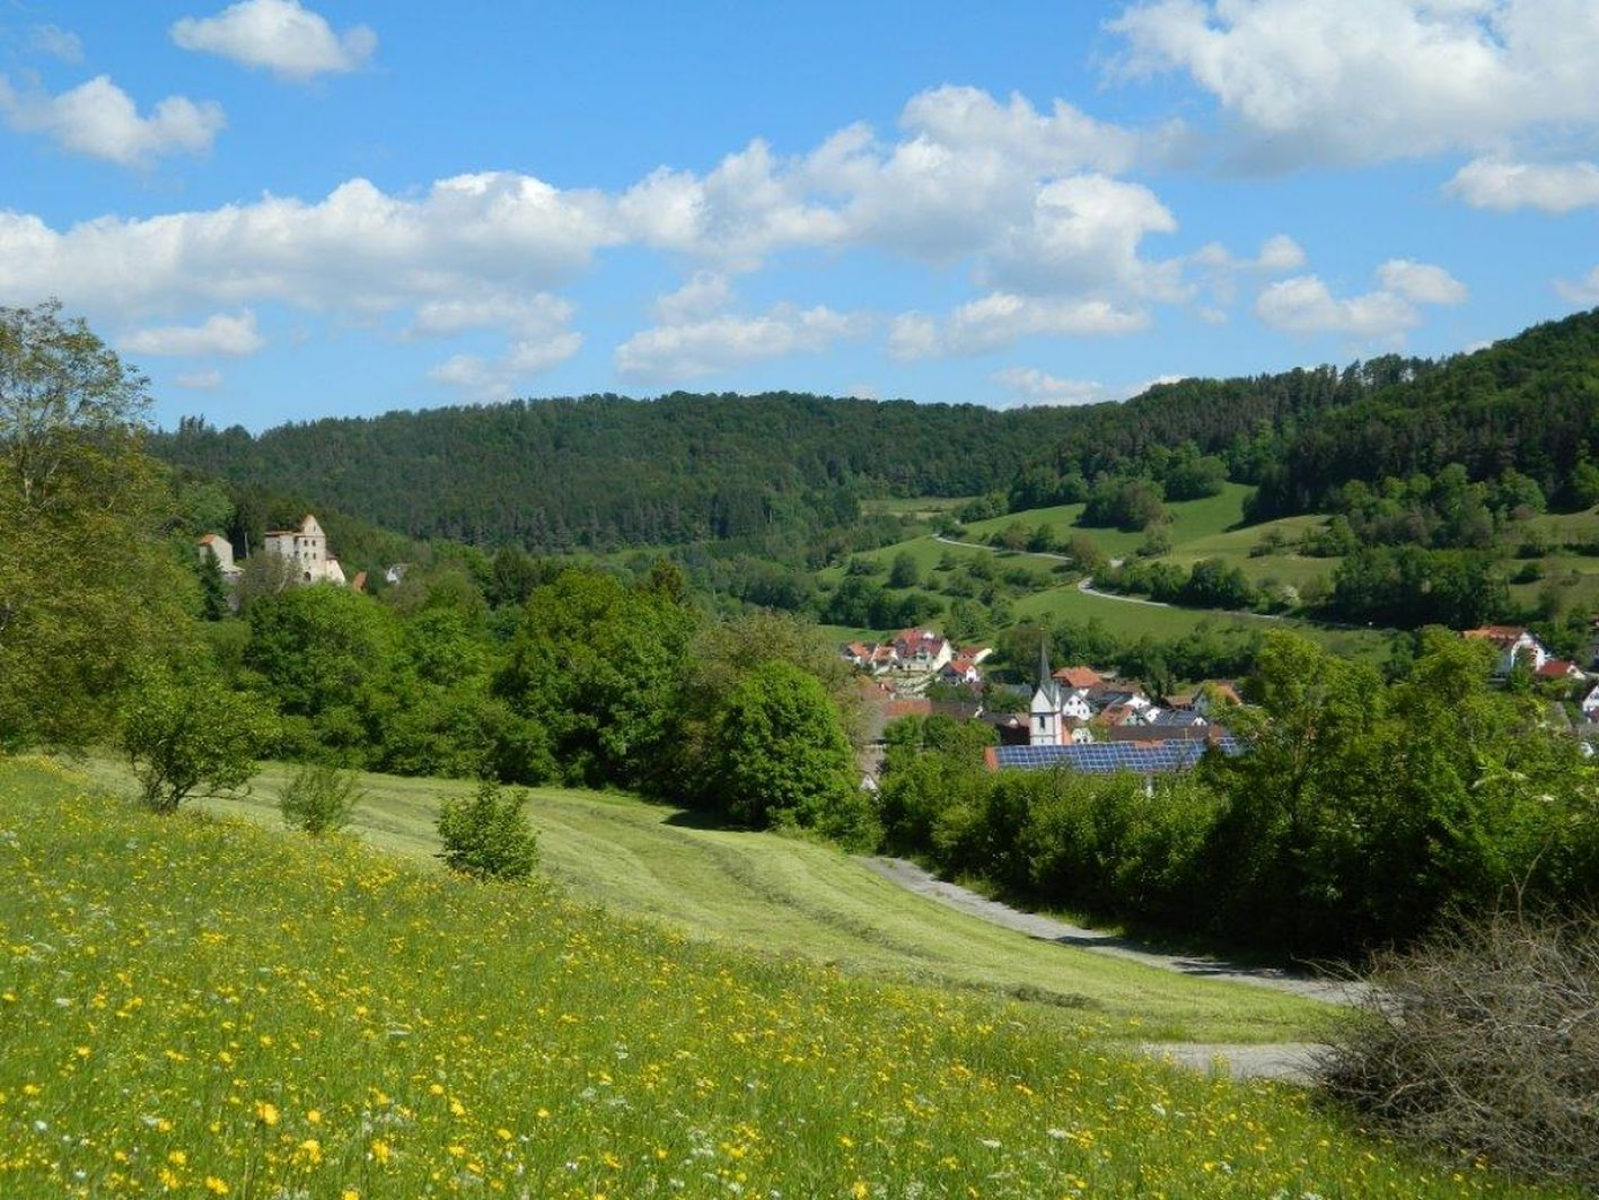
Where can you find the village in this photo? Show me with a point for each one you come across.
(1079, 719)
(1072, 717)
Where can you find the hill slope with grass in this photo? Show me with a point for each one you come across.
(787, 898)
(200, 1007)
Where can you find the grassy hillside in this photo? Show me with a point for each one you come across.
(785, 897)
(1199, 529)
(203, 1008)
(1190, 520)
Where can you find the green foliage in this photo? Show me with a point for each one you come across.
(613, 472)
(1408, 586)
(323, 653)
(1126, 503)
(89, 584)
(596, 665)
(191, 734)
(1361, 813)
(905, 572)
(487, 835)
(320, 798)
(1527, 403)
(780, 758)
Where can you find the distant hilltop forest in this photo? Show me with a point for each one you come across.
(606, 472)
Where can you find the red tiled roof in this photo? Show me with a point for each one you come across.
(1499, 635)
(1079, 677)
(908, 708)
(1556, 668)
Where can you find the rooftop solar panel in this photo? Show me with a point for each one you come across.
(1104, 758)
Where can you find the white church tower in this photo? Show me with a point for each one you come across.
(1045, 727)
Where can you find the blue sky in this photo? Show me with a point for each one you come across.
(285, 210)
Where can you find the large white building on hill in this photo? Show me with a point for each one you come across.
(307, 549)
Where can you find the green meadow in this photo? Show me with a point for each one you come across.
(788, 897)
(194, 1006)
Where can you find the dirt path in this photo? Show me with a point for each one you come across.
(909, 875)
(1288, 1061)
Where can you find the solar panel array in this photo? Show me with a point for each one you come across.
(1106, 758)
(1167, 717)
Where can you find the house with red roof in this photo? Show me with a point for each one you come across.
(1512, 644)
(1559, 668)
(922, 649)
(1079, 677)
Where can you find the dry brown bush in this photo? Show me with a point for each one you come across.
(1485, 1039)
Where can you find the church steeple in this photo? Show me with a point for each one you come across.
(1045, 728)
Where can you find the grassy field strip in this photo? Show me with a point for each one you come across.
(786, 897)
(205, 1008)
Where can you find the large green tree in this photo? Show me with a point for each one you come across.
(89, 584)
(596, 664)
(780, 757)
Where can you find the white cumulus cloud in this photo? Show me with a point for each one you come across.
(199, 381)
(282, 36)
(58, 43)
(1303, 304)
(483, 378)
(234, 336)
(689, 349)
(1505, 186)
(359, 249)
(1584, 292)
(1040, 388)
(536, 316)
(1359, 81)
(1422, 283)
(99, 119)
(999, 319)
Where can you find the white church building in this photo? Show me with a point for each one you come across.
(1058, 714)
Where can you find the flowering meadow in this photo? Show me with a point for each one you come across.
(199, 1007)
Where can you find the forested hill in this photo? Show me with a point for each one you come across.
(606, 470)
(1529, 403)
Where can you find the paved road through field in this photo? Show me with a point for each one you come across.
(1284, 1060)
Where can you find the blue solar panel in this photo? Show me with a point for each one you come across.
(1105, 758)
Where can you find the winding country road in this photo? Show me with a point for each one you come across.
(1291, 1061)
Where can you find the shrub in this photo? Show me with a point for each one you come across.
(1484, 1038)
(487, 835)
(191, 735)
(320, 798)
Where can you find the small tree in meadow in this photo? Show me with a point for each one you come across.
(320, 798)
(487, 835)
(191, 735)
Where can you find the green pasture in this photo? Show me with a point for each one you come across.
(207, 1008)
(786, 897)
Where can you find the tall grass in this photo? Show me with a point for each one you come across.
(199, 1007)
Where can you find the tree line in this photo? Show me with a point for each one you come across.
(1364, 812)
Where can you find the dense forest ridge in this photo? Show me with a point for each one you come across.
(605, 471)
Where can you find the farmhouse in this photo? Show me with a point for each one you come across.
(306, 547)
(219, 548)
(1513, 644)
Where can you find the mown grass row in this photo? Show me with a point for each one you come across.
(199, 1007)
(783, 896)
